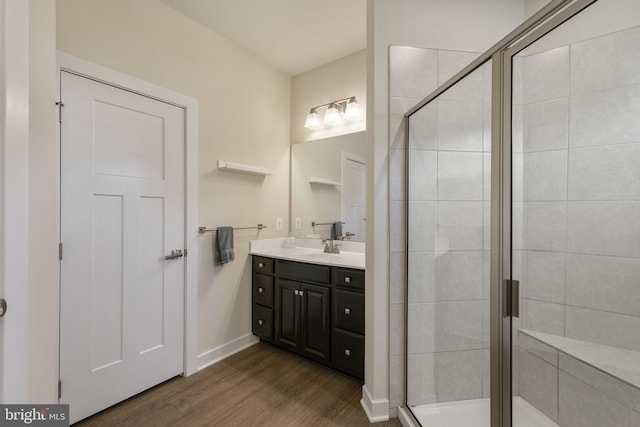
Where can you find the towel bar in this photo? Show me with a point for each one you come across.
(203, 230)
(313, 223)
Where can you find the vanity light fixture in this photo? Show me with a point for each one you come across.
(337, 112)
(333, 116)
(353, 111)
(313, 120)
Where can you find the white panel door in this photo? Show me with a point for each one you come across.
(354, 189)
(122, 211)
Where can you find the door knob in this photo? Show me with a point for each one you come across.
(3, 307)
(176, 253)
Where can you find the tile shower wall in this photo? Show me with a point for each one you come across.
(580, 195)
(448, 200)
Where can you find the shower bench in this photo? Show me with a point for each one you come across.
(569, 380)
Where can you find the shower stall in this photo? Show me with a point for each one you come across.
(522, 239)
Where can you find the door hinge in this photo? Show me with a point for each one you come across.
(60, 251)
(59, 389)
(185, 252)
(60, 105)
(511, 298)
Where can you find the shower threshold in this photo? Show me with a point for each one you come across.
(476, 413)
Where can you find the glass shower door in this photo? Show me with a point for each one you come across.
(575, 243)
(448, 160)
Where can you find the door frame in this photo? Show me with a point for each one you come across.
(502, 328)
(14, 200)
(83, 68)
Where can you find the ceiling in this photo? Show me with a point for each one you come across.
(292, 35)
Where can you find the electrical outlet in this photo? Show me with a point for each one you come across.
(298, 223)
(279, 224)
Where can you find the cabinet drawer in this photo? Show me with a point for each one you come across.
(263, 289)
(304, 272)
(262, 265)
(349, 278)
(262, 321)
(348, 353)
(350, 311)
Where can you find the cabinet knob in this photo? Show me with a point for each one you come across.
(301, 293)
(261, 265)
(260, 290)
(347, 352)
(347, 279)
(260, 322)
(347, 311)
(296, 292)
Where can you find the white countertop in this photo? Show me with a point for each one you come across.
(311, 251)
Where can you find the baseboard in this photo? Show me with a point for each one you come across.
(376, 410)
(405, 418)
(217, 354)
(393, 412)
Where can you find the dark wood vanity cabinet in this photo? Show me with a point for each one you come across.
(303, 315)
(314, 310)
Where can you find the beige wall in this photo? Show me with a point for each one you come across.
(243, 118)
(532, 6)
(338, 79)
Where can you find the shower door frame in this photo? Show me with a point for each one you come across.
(502, 142)
(554, 14)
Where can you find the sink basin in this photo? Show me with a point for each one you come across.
(321, 256)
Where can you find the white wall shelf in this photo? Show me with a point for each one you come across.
(323, 181)
(240, 168)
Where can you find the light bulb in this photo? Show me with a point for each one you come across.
(353, 111)
(332, 116)
(313, 120)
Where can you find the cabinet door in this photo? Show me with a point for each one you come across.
(316, 323)
(287, 313)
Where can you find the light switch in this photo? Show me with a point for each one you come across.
(278, 223)
(298, 223)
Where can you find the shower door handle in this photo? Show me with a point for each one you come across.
(511, 298)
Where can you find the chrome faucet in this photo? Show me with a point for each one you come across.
(330, 247)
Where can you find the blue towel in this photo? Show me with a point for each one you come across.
(224, 245)
(336, 230)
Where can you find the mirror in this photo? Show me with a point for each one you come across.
(328, 184)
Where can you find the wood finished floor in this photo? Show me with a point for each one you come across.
(260, 386)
